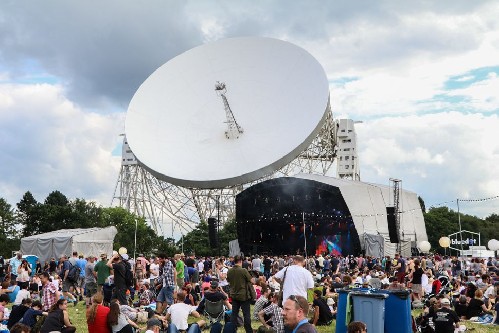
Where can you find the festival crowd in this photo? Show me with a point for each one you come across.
(281, 293)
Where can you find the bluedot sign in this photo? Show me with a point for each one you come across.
(464, 239)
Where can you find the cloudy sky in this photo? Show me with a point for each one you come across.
(423, 77)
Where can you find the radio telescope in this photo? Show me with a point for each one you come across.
(217, 119)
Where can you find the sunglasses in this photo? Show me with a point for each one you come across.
(294, 299)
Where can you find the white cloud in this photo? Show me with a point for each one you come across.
(50, 144)
(439, 156)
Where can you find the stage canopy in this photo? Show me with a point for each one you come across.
(91, 241)
(324, 214)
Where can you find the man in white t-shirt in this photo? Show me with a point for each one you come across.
(256, 263)
(154, 269)
(297, 281)
(179, 312)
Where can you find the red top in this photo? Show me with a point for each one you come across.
(100, 323)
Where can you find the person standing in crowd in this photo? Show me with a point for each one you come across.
(118, 266)
(14, 265)
(241, 292)
(267, 265)
(103, 271)
(445, 319)
(256, 263)
(165, 296)
(294, 313)
(66, 283)
(400, 268)
(190, 262)
(357, 327)
(297, 281)
(179, 269)
(23, 273)
(90, 280)
(417, 283)
(80, 284)
(50, 292)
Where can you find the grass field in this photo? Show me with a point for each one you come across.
(77, 316)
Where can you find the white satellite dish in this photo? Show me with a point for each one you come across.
(228, 112)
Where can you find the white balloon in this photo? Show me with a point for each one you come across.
(115, 252)
(444, 241)
(493, 245)
(424, 246)
(122, 250)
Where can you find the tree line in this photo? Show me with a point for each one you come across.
(30, 217)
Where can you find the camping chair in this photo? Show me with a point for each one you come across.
(214, 311)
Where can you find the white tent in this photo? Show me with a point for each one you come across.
(367, 204)
(91, 241)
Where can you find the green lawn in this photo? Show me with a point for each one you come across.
(77, 316)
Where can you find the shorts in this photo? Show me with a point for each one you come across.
(90, 289)
(165, 295)
(81, 282)
(417, 289)
(66, 285)
(180, 282)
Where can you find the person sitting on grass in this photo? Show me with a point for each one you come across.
(118, 321)
(178, 314)
(274, 312)
(322, 313)
(4, 300)
(58, 319)
(18, 312)
(31, 315)
(97, 315)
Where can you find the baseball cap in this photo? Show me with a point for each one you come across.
(124, 256)
(154, 322)
(444, 301)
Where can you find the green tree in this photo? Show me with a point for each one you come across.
(28, 214)
(197, 241)
(9, 235)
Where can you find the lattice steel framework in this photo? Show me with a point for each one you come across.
(164, 204)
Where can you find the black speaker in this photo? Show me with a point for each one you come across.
(212, 232)
(392, 225)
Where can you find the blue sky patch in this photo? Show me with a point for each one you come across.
(467, 79)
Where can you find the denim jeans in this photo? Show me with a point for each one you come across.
(166, 295)
(194, 328)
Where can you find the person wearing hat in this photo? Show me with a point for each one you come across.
(118, 266)
(214, 294)
(90, 281)
(445, 319)
(154, 325)
(102, 271)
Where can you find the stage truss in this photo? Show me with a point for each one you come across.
(174, 210)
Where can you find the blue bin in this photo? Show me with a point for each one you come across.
(398, 311)
(341, 325)
(369, 308)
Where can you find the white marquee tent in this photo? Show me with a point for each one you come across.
(367, 204)
(91, 241)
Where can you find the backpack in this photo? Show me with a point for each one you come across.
(128, 274)
(73, 273)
